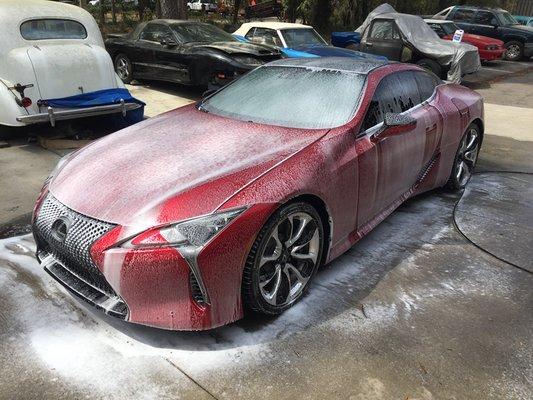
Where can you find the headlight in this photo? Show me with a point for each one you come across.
(190, 234)
(492, 47)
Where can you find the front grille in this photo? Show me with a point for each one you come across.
(72, 251)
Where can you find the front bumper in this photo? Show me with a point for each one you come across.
(57, 114)
(491, 55)
(148, 286)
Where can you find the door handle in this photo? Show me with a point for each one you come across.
(369, 44)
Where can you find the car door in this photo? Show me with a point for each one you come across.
(485, 24)
(383, 38)
(463, 17)
(393, 163)
(145, 46)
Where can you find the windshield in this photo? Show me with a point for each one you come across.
(292, 97)
(301, 37)
(449, 28)
(195, 32)
(507, 19)
(53, 28)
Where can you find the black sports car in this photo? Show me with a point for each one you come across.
(185, 52)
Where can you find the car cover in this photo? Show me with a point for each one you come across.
(462, 58)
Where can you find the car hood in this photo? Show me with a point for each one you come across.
(331, 51)
(178, 165)
(240, 48)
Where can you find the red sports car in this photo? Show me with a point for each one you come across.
(489, 49)
(187, 219)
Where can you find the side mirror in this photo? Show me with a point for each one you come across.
(394, 124)
(168, 41)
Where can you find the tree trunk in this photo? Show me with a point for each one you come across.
(83, 3)
(102, 13)
(172, 9)
(236, 7)
(113, 12)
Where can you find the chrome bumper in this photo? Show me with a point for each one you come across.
(53, 114)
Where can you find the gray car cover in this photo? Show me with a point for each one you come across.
(461, 58)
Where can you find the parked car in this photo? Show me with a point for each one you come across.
(407, 38)
(523, 20)
(186, 52)
(202, 5)
(47, 50)
(187, 219)
(489, 49)
(263, 9)
(294, 40)
(348, 40)
(494, 23)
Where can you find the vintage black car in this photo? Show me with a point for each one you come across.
(186, 52)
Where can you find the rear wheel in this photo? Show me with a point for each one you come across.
(465, 159)
(514, 50)
(123, 68)
(431, 66)
(283, 259)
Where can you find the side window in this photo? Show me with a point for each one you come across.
(426, 84)
(154, 32)
(395, 93)
(485, 18)
(384, 30)
(266, 36)
(463, 15)
(250, 34)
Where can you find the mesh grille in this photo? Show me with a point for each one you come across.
(74, 250)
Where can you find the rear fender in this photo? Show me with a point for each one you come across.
(9, 109)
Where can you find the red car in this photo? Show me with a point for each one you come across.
(185, 220)
(489, 49)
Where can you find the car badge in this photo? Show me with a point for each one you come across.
(60, 229)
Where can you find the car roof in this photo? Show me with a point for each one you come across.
(344, 64)
(480, 8)
(274, 25)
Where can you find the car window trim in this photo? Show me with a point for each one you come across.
(370, 131)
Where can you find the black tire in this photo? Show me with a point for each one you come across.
(253, 296)
(458, 180)
(431, 66)
(123, 68)
(514, 50)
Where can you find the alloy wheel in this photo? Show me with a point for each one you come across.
(467, 157)
(289, 259)
(513, 52)
(122, 68)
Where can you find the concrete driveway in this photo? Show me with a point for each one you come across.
(419, 309)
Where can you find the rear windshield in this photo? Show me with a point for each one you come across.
(294, 97)
(53, 28)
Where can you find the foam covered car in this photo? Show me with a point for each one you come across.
(54, 67)
(187, 219)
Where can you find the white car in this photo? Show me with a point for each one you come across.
(54, 66)
(199, 5)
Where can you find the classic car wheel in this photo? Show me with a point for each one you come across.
(513, 50)
(123, 68)
(431, 66)
(283, 259)
(465, 159)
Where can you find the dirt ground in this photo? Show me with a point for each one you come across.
(436, 303)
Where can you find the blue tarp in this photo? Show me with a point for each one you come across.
(101, 98)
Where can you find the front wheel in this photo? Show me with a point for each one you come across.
(513, 50)
(283, 259)
(123, 68)
(465, 159)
